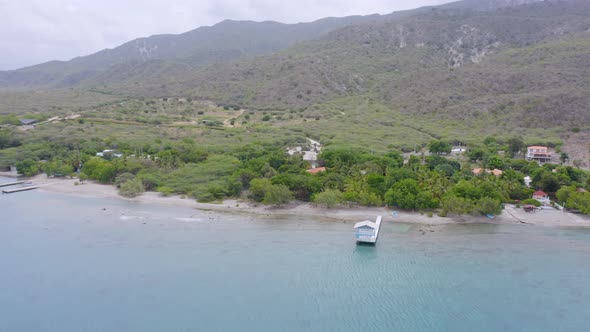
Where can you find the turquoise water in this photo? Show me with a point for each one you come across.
(80, 264)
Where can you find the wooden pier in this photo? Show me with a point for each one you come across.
(11, 183)
(16, 190)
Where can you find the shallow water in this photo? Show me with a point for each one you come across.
(80, 264)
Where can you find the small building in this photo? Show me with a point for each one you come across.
(367, 231)
(109, 153)
(477, 171)
(458, 149)
(542, 197)
(27, 122)
(497, 172)
(538, 153)
(316, 170)
(528, 181)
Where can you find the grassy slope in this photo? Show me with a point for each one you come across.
(359, 86)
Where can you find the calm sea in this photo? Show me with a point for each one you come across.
(81, 264)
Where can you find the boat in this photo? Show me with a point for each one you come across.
(367, 232)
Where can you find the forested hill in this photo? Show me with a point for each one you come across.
(226, 40)
(509, 64)
(481, 62)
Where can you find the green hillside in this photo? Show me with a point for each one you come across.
(520, 69)
(458, 72)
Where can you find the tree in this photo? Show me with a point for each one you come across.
(100, 169)
(580, 201)
(456, 205)
(488, 205)
(329, 198)
(476, 154)
(83, 177)
(494, 162)
(369, 199)
(131, 188)
(277, 195)
(425, 200)
(445, 169)
(28, 167)
(548, 182)
(439, 147)
(564, 157)
(403, 194)
(57, 167)
(564, 193)
(122, 178)
(393, 159)
(515, 145)
(303, 186)
(258, 188)
(490, 141)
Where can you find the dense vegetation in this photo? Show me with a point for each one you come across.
(267, 174)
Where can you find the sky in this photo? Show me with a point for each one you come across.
(36, 31)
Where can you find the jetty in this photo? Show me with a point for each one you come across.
(16, 190)
(11, 183)
(367, 232)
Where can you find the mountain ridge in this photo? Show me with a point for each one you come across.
(225, 41)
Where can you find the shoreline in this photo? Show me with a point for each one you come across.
(510, 216)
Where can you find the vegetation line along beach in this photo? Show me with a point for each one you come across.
(452, 111)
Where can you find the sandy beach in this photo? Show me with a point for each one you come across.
(511, 215)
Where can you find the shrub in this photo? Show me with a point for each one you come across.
(488, 205)
(531, 201)
(258, 188)
(277, 195)
(369, 199)
(122, 178)
(83, 177)
(456, 205)
(28, 167)
(131, 188)
(165, 191)
(329, 198)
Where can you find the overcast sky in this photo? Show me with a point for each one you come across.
(35, 31)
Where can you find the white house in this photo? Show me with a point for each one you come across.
(542, 197)
(110, 153)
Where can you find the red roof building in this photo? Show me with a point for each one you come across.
(542, 197)
(539, 193)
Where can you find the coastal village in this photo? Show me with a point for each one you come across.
(539, 208)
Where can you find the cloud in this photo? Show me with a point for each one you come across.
(35, 31)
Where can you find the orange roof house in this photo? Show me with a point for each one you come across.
(538, 153)
(316, 170)
(496, 172)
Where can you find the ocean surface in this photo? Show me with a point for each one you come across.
(81, 264)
